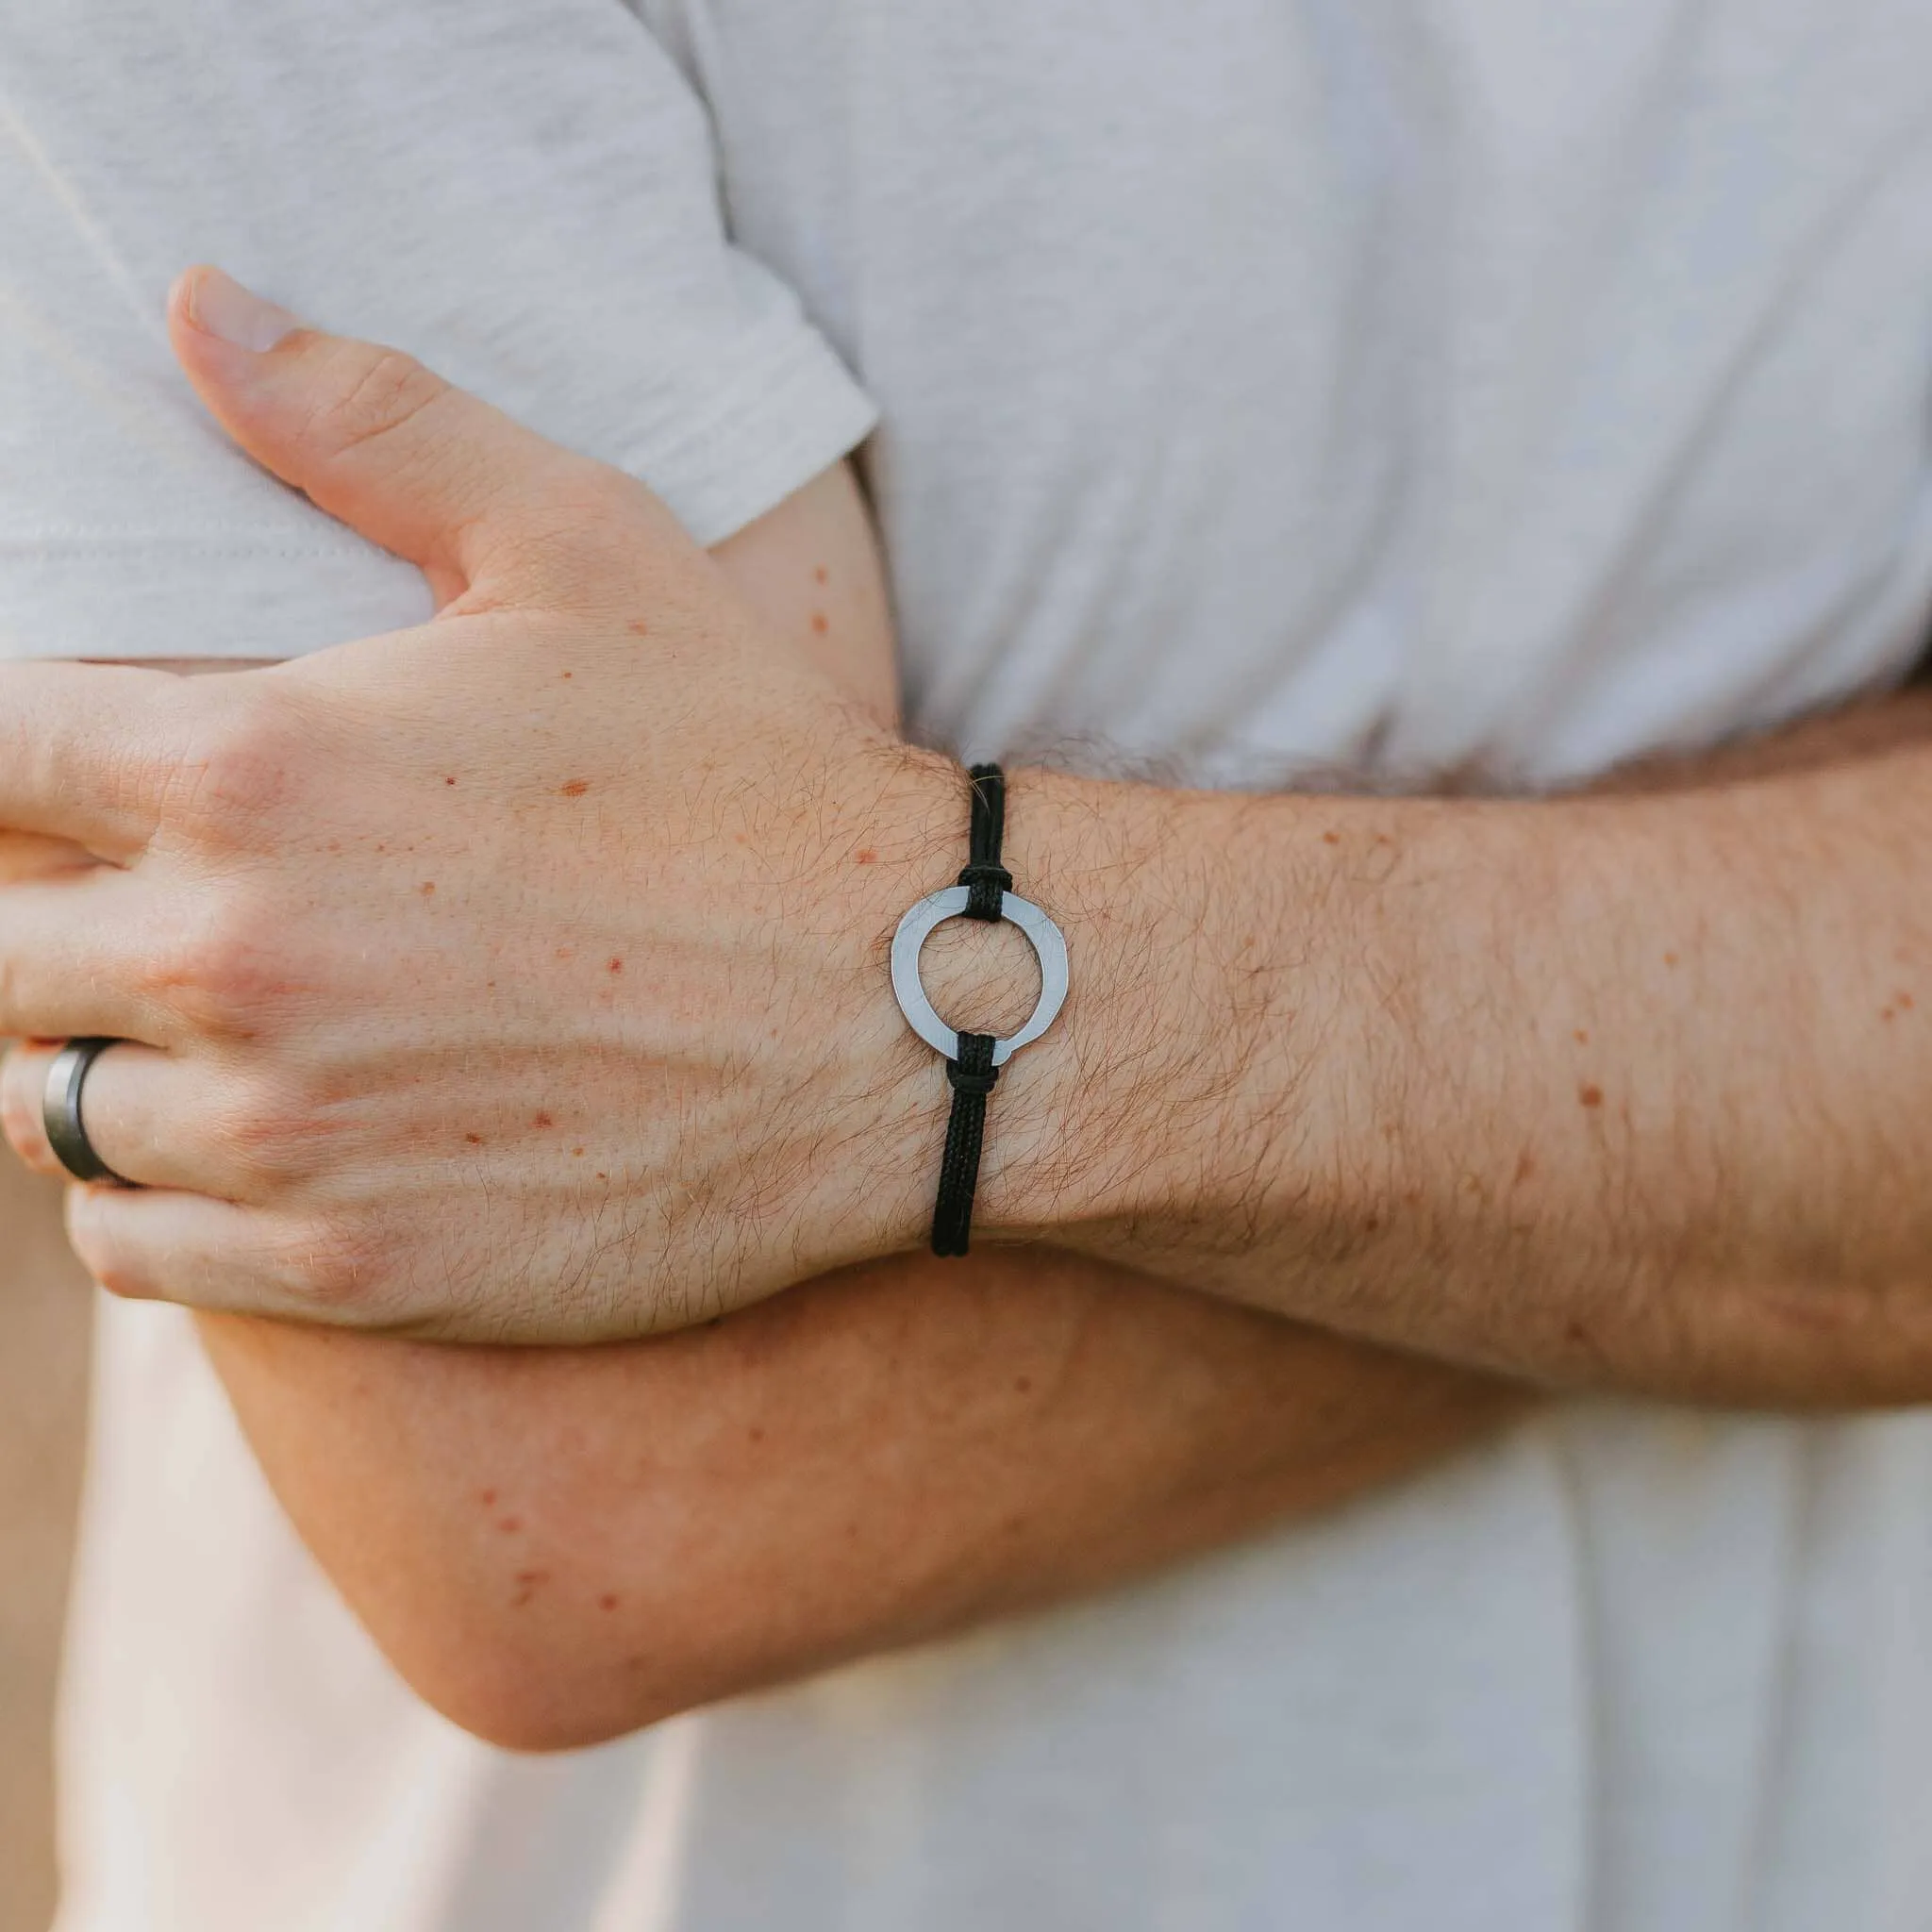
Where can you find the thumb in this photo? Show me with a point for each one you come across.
(390, 448)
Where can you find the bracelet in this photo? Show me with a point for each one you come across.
(985, 890)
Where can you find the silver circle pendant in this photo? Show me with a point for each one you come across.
(917, 927)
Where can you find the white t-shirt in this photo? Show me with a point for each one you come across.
(1510, 384)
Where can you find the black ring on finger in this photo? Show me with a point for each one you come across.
(60, 1111)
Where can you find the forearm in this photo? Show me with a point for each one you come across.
(558, 1546)
(1617, 1087)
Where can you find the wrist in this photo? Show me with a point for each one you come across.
(1216, 1077)
(1135, 1112)
(1213, 1073)
(1106, 1119)
(981, 977)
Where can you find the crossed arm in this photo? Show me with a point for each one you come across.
(556, 1546)
(1618, 1088)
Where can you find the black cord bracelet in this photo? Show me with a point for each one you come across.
(984, 891)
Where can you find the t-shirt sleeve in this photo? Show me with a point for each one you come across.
(523, 195)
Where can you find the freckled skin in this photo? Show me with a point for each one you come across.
(614, 966)
(1590, 1096)
(575, 789)
(1581, 1036)
(543, 1120)
(638, 628)
(867, 857)
(820, 624)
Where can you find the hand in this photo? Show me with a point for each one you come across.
(519, 977)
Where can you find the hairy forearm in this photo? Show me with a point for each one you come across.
(1621, 1088)
(556, 1546)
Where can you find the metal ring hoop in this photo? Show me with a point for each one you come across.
(60, 1114)
(1049, 948)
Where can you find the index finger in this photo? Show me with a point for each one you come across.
(84, 753)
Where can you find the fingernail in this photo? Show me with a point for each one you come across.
(219, 306)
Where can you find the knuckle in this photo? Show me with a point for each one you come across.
(334, 1267)
(272, 1131)
(217, 970)
(368, 392)
(233, 783)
